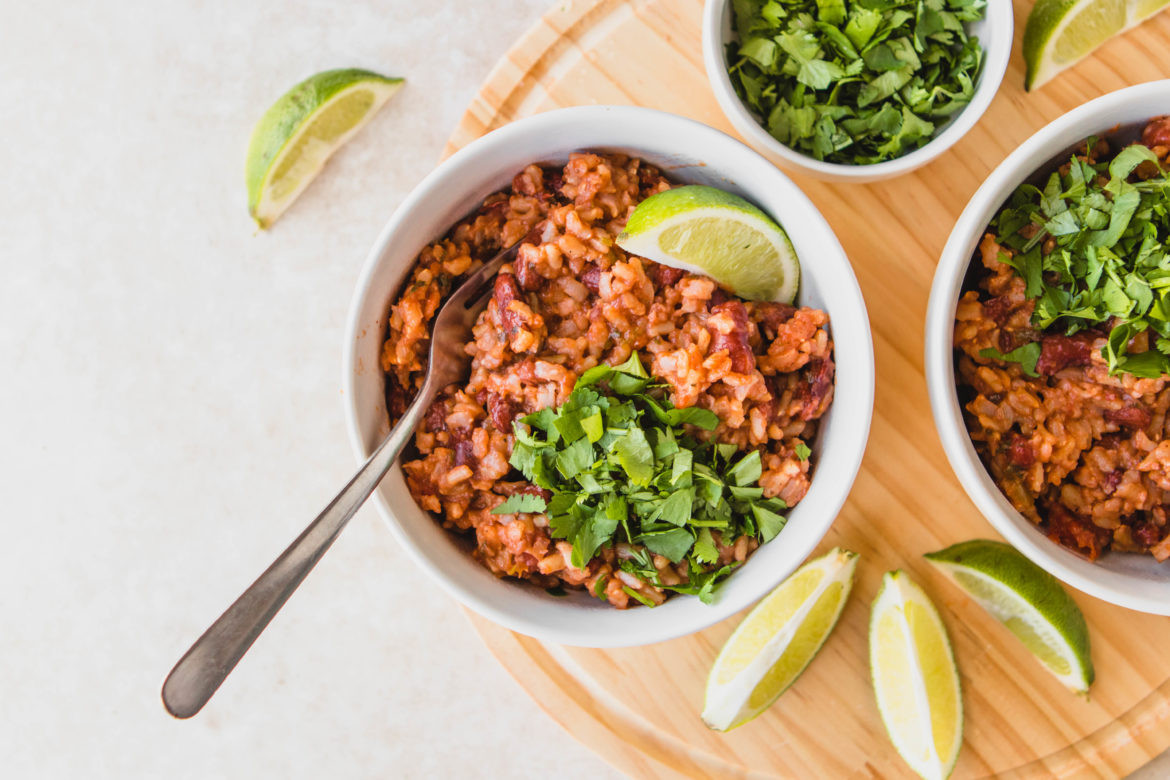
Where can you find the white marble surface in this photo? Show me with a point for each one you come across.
(172, 412)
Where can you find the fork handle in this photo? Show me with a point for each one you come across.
(199, 673)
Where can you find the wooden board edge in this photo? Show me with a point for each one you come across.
(623, 742)
(524, 63)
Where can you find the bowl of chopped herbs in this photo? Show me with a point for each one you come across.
(855, 90)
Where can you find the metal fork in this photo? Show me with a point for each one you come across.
(200, 672)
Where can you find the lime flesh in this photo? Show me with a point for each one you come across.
(707, 231)
(1029, 602)
(915, 679)
(1061, 32)
(777, 640)
(297, 135)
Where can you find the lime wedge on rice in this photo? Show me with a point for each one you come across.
(914, 677)
(1061, 32)
(708, 231)
(777, 640)
(295, 137)
(1029, 601)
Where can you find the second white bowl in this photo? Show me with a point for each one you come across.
(995, 34)
(1135, 581)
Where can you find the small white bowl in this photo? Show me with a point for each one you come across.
(995, 34)
(1135, 581)
(687, 152)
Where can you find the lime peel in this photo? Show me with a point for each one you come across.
(302, 129)
(1028, 601)
(777, 640)
(705, 230)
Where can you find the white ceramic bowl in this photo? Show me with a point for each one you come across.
(995, 34)
(1134, 581)
(688, 152)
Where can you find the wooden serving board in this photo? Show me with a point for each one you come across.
(639, 707)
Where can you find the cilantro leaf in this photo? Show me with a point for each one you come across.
(680, 473)
(593, 375)
(693, 415)
(575, 458)
(704, 549)
(633, 366)
(1027, 356)
(523, 459)
(542, 420)
(636, 596)
(768, 521)
(706, 591)
(521, 502)
(674, 544)
(593, 532)
(636, 457)
(747, 470)
(676, 509)
(568, 424)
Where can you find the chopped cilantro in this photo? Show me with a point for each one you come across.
(674, 543)
(854, 82)
(622, 466)
(575, 458)
(1027, 356)
(635, 455)
(521, 502)
(637, 596)
(748, 470)
(599, 586)
(1092, 247)
(768, 521)
(704, 549)
(802, 450)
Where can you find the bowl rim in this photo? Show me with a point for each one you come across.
(847, 463)
(1001, 21)
(1115, 587)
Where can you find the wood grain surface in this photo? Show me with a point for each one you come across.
(639, 707)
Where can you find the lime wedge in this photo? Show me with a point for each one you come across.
(914, 677)
(777, 640)
(1026, 599)
(295, 137)
(708, 231)
(1061, 32)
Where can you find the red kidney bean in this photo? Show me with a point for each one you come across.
(1134, 417)
(1157, 132)
(506, 291)
(1059, 352)
(592, 279)
(502, 411)
(1020, 452)
(814, 389)
(736, 342)
(665, 276)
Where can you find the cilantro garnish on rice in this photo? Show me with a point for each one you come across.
(1091, 247)
(621, 466)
